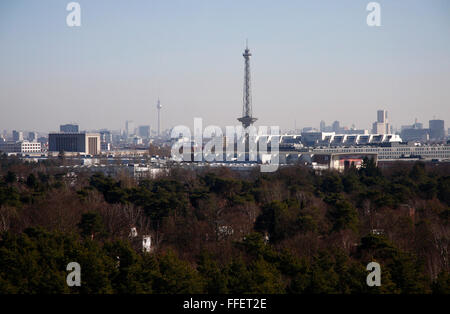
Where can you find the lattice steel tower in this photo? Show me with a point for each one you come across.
(247, 119)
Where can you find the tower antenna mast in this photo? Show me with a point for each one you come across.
(158, 106)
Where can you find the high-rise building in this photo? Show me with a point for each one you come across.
(382, 116)
(69, 128)
(129, 128)
(437, 129)
(381, 126)
(105, 140)
(336, 127)
(322, 126)
(325, 128)
(105, 136)
(32, 136)
(17, 135)
(144, 131)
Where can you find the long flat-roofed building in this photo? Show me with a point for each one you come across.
(20, 147)
(333, 139)
(384, 152)
(88, 143)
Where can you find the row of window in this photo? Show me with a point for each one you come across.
(432, 151)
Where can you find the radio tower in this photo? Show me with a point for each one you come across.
(158, 106)
(247, 118)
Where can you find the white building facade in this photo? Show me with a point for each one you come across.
(20, 147)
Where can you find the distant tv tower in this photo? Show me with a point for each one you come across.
(158, 106)
(247, 119)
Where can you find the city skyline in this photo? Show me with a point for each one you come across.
(322, 126)
(312, 63)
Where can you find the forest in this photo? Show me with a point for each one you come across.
(219, 231)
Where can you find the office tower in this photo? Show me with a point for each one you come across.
(382, 116)
(381, 126)
(144, 131)
(17, 135)
(32, 136)
(247, 119)
(322, 126)
(69, 128)
(129, 128)
(437, 129)
(336, 127)
(105, 136)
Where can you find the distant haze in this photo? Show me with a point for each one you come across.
(312, 61)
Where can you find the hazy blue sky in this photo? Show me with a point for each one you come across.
(312, 60)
